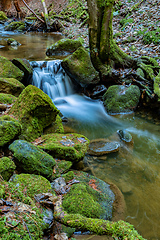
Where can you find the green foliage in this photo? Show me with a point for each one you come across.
(152, 37)
(124, 22)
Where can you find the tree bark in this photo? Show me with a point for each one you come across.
(16, 4)
(105, 54)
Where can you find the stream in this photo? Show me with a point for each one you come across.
(135, 170)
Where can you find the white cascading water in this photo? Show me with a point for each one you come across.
(52, 79)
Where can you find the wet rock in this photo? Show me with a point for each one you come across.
(79, 67)
(19, 26)
(70, 147)
(61, 167)
(24, 66)
(7, 168)
(98, 91)
(121, 99)
(35, 111)
(63, 47)
(101, 147)
(12, 42)
(31, 159)
(3, 16)
(11, 86)
(125, 136)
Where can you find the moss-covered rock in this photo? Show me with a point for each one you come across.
(91, 197)
(3, 16)
(32, 184)
(22, 213)
(24, 65)
(7, 168)
(19, 26)
(79, 67)
(71, 147)
(121, 99)
(12, 42)
(7, 98)
(157, 86)
(31, 159)
(61, 167)
(9, 130)
(35, 111)
(64, 47)
(11, 86)
(9, 70)
(55, 127)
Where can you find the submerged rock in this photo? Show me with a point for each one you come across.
(11, 86)
(31, 159)
(35, 111)
(99, 147)
(70, 147)
(121, 99)
(125, 136)
(79, 67)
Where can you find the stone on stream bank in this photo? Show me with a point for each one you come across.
(71, 147)
(35, 111)
(7, 98)
(121, 99)
(31, 159)
(11, 86)
(7, 168)
(9, 70)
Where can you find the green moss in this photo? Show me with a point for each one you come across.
(11, 86)
(2, 16)
(31, 159)
(9, 70)
(120, 99)
(9, 130)
(70, 147)
(35, 111)
(79, 200)
(79, 66)
(19, 26)
(32, 218)
(64, 46)
(55, 127)
(24, 65)
(68, 176)
(157, 86)
(31, 184)
(7, 168)
(7, 98)
(61, 167)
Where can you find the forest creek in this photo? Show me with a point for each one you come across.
(79, 158)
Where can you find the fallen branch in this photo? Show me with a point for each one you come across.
(33, 12)
(118, 230)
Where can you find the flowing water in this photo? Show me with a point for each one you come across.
(135, 169)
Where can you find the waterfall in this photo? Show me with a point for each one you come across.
(52, 79)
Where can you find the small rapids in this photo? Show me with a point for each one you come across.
(52, 79)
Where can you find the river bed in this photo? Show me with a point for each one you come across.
(135, 170)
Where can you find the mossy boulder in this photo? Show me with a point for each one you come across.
(7, 168)
(32, 184)
(7, 98)
(22, 212)
(19, 26)
(61, 167)
(70, 147)
(91, 197)
(55, 127)
(157, 86)
(24, 65)
(12, 42)
(35, 111)
(121, 99)
(3, 16)
(79, 67)
(9, 130)
(11, 86)
(63, 47)
(31, 159)
(9, 70)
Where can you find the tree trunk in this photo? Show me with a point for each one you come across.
(16, 4)
(45, 14)
(104, 51)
